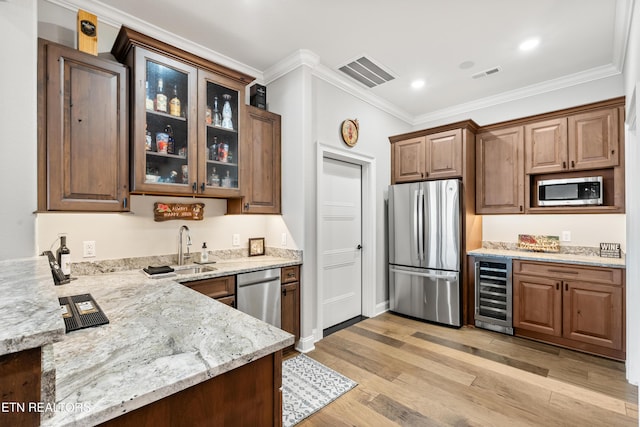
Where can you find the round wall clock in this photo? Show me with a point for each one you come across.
(349, 131)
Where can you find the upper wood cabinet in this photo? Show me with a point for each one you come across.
(433, 156)
(546, 146)
(593, 139)
(82, 131)
(581, 141)
(500, 171)
(203, 151)
(260, 164)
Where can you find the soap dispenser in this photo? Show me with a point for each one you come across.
(204, 256)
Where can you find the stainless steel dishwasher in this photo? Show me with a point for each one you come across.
(259, 295)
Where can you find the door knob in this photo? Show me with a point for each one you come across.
(359, 247)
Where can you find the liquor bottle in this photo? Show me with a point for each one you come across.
(217, 118)
(171, 144)
(63, 256)
(148, 101)
(174, 104)
(226, 181)
(214, 180)
(147, 139)
(213, 152)
(227, 114)
(161, 98)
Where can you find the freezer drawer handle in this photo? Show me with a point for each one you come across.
(432, 276)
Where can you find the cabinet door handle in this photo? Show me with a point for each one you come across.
(557, 286)
(613, 151)
(563, 271)
(124, 203)
(246, 206)
(566, 287)
(284, 292)
(573, 164)
(202, 187)
(521, 209)
(564, 164)
(194, 187)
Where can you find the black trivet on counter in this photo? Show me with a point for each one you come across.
(81, 311)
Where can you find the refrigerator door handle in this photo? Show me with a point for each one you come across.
(416, 220)
(476, 281)
(421, 224)
(448, 275)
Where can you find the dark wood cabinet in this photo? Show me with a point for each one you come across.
(545, 147)
(433, 156)
(222, 288)
(290, 315)
(204, 154)
(500, 171)
(83, 159)
(261, 173)
(575, 306)
(582, 141)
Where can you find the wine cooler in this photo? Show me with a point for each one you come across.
(494, 294)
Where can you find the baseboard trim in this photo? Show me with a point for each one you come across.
(382, 307)
(306, 344)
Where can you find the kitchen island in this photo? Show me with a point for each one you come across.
(167, 354)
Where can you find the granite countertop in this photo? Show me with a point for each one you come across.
(162, 337)
(568, 258)
(29, 309)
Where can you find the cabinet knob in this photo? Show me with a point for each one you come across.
(573, 164)
(246, 206)
(564, 165)
(613, 151)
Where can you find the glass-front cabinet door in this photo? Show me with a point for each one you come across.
(218, 135)
(165, 142)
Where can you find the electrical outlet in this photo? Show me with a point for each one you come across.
(236, 240)
(566, 236)
(89, 249)
(283, 239)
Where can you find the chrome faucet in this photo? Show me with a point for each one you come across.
(181, 255)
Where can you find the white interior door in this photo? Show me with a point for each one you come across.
(341, 216)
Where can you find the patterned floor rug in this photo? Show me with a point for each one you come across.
(307, 386)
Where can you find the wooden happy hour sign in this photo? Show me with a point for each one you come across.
(185, 211)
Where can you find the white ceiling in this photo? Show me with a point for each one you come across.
(415, 39)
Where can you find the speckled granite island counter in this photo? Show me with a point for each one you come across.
(167, 353)
(568, 258)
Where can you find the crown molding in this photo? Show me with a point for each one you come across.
(115, 18)
(592, 74)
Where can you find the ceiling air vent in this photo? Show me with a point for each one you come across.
(367, 72)
(488, 72)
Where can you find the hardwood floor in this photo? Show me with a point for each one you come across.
(413, 373)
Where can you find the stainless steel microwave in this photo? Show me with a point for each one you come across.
(570, 191)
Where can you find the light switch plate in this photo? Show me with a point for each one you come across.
(566, 236)
(236, 240)
(283, 239)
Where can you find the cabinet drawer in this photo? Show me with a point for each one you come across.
(290, 274)
(230, 301)
(215, 288)
(611, 276)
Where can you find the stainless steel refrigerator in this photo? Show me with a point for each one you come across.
(424, 250)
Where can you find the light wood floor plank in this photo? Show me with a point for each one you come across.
(415, 373)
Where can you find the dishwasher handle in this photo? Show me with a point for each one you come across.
(259, 282)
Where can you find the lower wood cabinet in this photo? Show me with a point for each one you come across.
(290, 316)
(221, 288)
(574, 306)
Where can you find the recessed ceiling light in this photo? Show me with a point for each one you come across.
(529, 44)
(417, 84)
(466, 65)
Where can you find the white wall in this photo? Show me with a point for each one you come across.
(632, 89)
(18, 32)
(586, 230)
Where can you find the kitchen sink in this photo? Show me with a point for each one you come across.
(193, 269)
